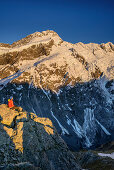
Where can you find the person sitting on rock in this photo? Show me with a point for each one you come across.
(10, 102)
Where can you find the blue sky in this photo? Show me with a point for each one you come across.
(74, 20)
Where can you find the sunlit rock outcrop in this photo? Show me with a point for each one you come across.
(13, 120)
(27, 140)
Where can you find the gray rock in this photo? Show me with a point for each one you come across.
(32, 144)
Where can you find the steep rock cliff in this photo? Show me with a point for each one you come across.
(28, 141)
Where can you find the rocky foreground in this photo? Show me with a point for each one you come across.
(30, 142)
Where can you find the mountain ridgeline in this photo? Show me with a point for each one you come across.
(71, 84)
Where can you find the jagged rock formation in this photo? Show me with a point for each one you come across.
(72, 84)
(31, 142)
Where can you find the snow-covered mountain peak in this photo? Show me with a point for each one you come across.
(53, 63)
(32, 39)
(38, 37)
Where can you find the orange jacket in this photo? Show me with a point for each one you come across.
(10, 103)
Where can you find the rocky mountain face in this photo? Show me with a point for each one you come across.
(91, 160)
(31, 142)
(71, 84)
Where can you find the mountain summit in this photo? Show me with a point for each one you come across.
(51, 63)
